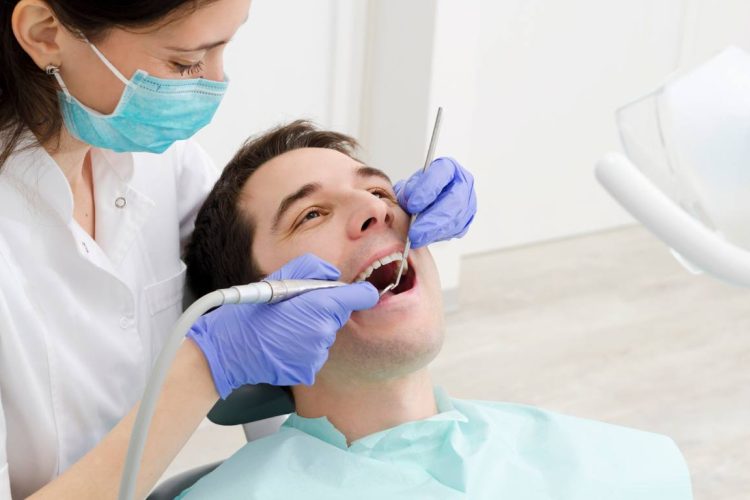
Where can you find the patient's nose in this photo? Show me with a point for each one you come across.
(370, 215)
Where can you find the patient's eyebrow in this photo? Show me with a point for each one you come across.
(365, 171)
(291, 199)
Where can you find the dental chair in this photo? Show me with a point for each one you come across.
(685, 174)
(260, 409)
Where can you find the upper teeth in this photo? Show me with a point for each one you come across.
(395, 256)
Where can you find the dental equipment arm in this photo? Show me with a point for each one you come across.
(265, 292)
(692, 240)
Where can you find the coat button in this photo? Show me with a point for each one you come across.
(120, 202)
(126, 322)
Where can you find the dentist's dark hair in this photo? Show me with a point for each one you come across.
(28, 96)
(219, 254)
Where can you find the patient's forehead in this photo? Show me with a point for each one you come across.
(300, 166)
(287, 173)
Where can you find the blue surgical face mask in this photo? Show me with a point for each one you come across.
(151, 115)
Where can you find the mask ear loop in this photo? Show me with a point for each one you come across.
(108, 64)
(53, 70)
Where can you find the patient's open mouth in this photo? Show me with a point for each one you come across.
(382, 273)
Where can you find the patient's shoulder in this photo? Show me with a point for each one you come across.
(593, 451)
(530, 423)
(525, 418)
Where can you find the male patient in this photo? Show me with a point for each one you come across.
(372, 425)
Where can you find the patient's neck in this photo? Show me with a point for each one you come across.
(358, 408)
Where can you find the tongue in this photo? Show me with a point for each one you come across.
(384, 275)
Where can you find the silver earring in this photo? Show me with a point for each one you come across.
(51, 69)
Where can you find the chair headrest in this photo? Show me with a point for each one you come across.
(250, 403)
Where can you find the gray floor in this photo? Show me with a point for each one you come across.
(607, 326)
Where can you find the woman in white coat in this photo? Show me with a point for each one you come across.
(98, 191)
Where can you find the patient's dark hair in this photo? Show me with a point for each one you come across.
(219, 253)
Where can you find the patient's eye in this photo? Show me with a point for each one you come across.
(309, 215)
(382, 193)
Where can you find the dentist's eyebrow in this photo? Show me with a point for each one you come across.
(289, 200)
(205, 46)
(365, 171)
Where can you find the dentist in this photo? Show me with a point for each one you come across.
(98, 192)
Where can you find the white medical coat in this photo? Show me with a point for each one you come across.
(82, 321)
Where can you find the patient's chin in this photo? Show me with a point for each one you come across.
(382, 356)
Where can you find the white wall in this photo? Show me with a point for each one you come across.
(711, 25)
(396, 93)
(548, 77)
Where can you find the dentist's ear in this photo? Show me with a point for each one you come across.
(38, 32)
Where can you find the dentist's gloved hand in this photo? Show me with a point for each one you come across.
(284, 343)
(444, 198)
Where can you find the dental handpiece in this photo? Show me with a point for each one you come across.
(272, 291)
(263, 292)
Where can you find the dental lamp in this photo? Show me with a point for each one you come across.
(263, 292)
(685, 174)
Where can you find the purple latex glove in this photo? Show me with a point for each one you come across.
(284, 343)
(444, 198)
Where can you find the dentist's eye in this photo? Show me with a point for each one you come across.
(190, 69)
